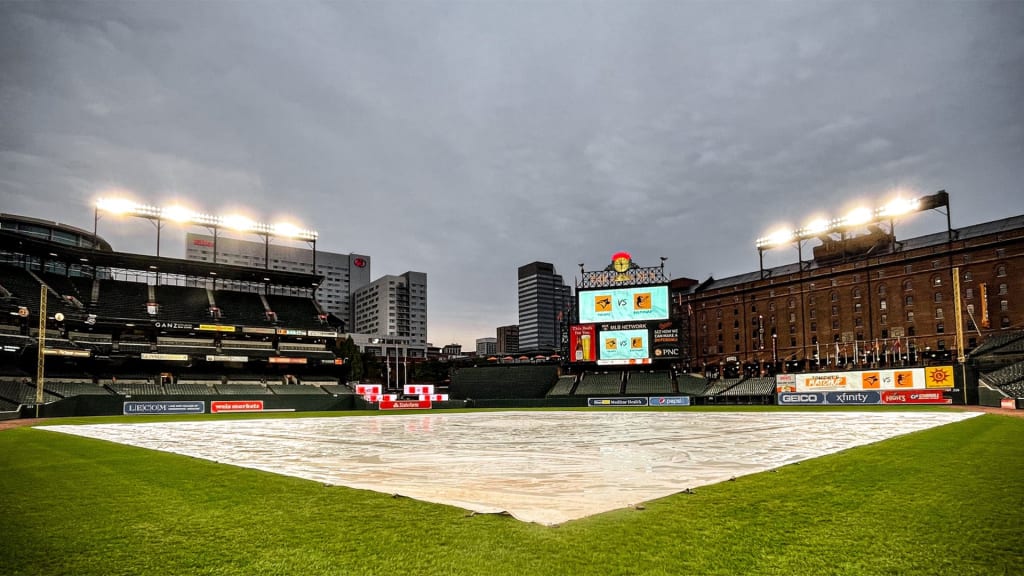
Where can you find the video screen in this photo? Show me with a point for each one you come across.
(623, 346)
(623, 304)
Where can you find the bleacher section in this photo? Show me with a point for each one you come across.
(294, 311)
(241, 308)
(136, 388)
(646, 383)
(563, 387)
(66, 388)
(719, 386)
(242, 389)
(997, 343)
(337, 389)
(281, 389)
(1005, 376)
(21, 393)
(24, 288)
(125, 300)
(599, 384)
(180, 389)
(752, 387)
(183, 304)
(62, 285)
(691, 384)
(503, 382)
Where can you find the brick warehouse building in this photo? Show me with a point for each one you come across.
(883, 298)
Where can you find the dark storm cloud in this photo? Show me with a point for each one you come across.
(465, 139)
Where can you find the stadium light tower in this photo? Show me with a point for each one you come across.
(183, 215)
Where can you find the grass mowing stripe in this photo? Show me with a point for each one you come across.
(941, 501)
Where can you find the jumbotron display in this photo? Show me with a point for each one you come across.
(623, 316)
(623, 304)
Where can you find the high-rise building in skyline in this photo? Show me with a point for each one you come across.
(545, 303)
(486, 346)
(343, 273)
(393, 306)
(508, 339)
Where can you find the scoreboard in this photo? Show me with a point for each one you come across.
(623, 326)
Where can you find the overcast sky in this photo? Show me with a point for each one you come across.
(464, 139)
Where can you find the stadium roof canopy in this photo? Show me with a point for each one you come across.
(16, 243)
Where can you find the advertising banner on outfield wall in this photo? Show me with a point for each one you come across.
(888, 379)
(668, 401)
(617, 402)
(177, 407)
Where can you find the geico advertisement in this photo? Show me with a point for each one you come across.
(890, 379)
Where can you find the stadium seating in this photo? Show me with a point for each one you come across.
(244, 308)
(337, 389)
(186, 389)
(1006, 375)
(21, 393)
(242, 389)
(563, 387)
(599, 384)
(8, 406)
(752, 387)
(282, 390)
(719, 386)
(294, 311)
(78, 387)
(136, 388)
(996, 342)
(22, 285)
(691, 384)
(183, 304)
(124, 300)
(645, 383)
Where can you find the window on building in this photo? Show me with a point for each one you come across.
(1002, 290)
(968, 277)
(908, 301)
(910, 315)
(882, 304)
(1001, 270)
(810, 300)
(908, 285)
(858, 321)
(911, 331)
(814, 340)
(968, 293)
(792, 317)
(792, 328)
(771, 306)
(938, 313)
(835, 324)
(856, 307)
(938, 296)
(936, 280)
(1005, 322)
(791, 303)
(811, 313)
(881, 290)
(856, 292)
(1004, 306)
(940, 328)
(908, 268)
(833, 296)
(835, 310)
(884, 318)
(814, 326)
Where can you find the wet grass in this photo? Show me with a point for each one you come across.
(948, 500)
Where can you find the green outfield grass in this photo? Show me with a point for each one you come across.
(949, 500)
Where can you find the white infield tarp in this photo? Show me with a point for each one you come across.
(544, 467)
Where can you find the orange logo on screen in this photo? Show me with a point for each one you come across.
(642, 301)
(904, 379)
(637, 343)
(610, 344)
(870, 380)
(602, 303)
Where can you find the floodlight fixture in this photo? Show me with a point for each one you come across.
(237, 222)
(899, 206)
(815, 227)
(857, 217)
(776, 238)
(177, 213)
(115, 205)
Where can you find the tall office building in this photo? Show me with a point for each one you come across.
(508, 339)
(486, 346)
(343, 273)
(393, 306)
(545, 304)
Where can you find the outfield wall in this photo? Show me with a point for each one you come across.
(89, 405)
